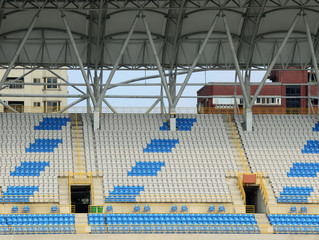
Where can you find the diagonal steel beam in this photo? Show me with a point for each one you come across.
(72, 104)
(232, 48)
(17, 79)
(86, 79)
(153, 106)
(158, 63)
(273, 62)
(199, 54)
(69, 84)
(20, 47)
(8, 106)
(117, 62)
(109, 106)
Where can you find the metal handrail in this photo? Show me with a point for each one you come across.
(241, 188)
(229, 209)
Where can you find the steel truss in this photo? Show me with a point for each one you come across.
(170, 36)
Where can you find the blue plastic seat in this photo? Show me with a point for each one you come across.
(147, 208)
(136, 208)
(174, 208)
(221, 208)
(184, 208)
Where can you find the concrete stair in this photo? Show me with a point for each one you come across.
(236, 196)
(263, 223)
(82, 224)
(79, 164)
(233, 139)
(98, 192)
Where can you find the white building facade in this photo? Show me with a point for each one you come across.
(44, 83)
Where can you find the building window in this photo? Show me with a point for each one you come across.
(52, 106)
(278, 100)
(36, 80)
(50, 81)
(36, 104)
(12, 83)
(268, 101)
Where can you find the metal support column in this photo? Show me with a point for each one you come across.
(77, 54)
(232, 48)
(158, 63)
(96, 118)
(117, 62)
(162, 101)
(248, 114)
(110, 77)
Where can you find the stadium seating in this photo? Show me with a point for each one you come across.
(295, 194)
(196, 161)
(146, 169)
(52, 123)
(44, 145)
(275, 148)
(124, 194)
(32, 157)
(30, 169)
(160, 145)
(304, 170)
(173, 223)
(294, 223)
(182, 124)
(40, 223)
(37, 224)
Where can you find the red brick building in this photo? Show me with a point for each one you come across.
(282, 84)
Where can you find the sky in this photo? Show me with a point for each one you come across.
(124, 75)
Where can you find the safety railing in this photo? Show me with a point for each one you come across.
(166, 208)
(37, 208)
(178, 197)
(263, 190)
(238, 144)
(172, 228)
(27, 198)
(250, 208)
(37, 229)
(296, 229)
(241, 188)
(311, 208)
(32, 109)
(179, 110)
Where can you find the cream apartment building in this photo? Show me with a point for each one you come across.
(34, 104)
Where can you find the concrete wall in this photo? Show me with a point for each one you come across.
(261, 206)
